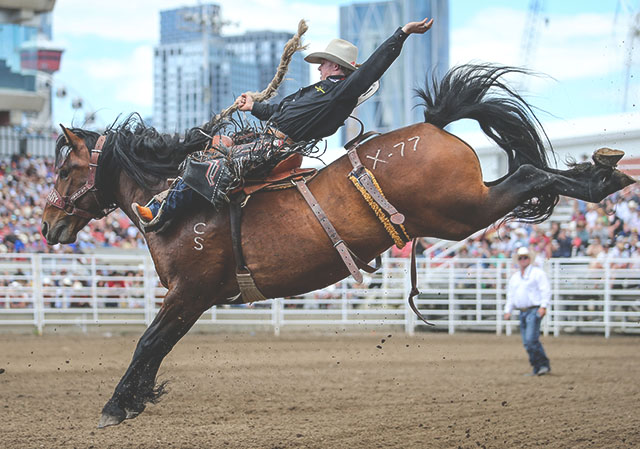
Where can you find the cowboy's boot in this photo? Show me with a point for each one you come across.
(157, 214)
(151, 215)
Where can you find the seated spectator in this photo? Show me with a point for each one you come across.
(563, 245)
(24, 184)
(591, 216)
(581, 240)
(633, 217)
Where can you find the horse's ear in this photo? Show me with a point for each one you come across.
(74, 141)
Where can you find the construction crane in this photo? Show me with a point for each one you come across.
(632, 40)
(530, 35)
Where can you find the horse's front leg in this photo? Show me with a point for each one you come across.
(137, 386)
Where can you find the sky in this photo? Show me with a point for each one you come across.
(581, 49)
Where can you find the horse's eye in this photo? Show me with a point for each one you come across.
(63, 155)
(63, 174)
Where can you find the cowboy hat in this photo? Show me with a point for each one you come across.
(524, 251)
(342, 52)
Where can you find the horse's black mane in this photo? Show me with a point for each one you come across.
(146, 155)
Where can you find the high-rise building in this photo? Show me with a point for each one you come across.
(367, 25)
(263, 49)
(198, 72)
(27, 60)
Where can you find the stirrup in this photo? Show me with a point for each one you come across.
(155, 224)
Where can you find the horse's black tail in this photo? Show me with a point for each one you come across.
(477, 91)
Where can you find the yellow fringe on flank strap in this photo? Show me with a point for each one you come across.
(388, 226)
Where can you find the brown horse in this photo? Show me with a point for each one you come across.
(429, 175)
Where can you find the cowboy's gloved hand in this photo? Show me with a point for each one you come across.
(244, 102)
(418, 27)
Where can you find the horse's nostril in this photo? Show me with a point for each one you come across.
(45, 228)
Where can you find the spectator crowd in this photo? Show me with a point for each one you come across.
(608, 229)
(24, 184)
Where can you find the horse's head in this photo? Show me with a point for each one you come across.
(73, 201)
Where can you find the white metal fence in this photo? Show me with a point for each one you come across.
(44, 290)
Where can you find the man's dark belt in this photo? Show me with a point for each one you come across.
(524, 309)
(280, 135)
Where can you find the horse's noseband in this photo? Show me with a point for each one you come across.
(68, 203)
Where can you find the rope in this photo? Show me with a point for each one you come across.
(388, 226)
(294, 45)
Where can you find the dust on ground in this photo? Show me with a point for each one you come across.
(326, 391)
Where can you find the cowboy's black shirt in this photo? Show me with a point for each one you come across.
(317, 111)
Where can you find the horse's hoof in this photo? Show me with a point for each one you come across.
(607, 157)
(109, 420)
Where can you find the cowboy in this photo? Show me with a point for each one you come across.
(317, 111)
(529, 292)
(312, 113)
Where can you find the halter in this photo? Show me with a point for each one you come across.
(68, 203)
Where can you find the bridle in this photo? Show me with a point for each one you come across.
(68, 203)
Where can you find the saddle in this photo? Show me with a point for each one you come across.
(280, 177)
(288, 174)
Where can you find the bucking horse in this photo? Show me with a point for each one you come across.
(429, 175)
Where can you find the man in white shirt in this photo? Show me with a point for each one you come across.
(529, 292)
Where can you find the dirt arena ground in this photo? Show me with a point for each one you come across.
(373, 390)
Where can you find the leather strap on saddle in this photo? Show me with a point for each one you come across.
(248, 290)
(351, 261)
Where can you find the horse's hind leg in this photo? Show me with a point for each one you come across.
(137, 386)
(587, 182)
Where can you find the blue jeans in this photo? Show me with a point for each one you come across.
(530, 332)
(180, 196)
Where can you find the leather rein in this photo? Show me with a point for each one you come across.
(68, 203)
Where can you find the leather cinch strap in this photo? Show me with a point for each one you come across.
(249, 291)
(352, 261)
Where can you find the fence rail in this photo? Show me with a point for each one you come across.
(44, 290)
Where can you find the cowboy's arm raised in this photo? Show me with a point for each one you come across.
(380, 60)
(418, 27)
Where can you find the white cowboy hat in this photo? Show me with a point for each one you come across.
(342, 52)
(524, 251)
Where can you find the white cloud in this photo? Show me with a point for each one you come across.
(570, 47)
(567, 47)
(129, 79)
(137, 82)
(491, 36)
(120, 20)
(139, 21)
